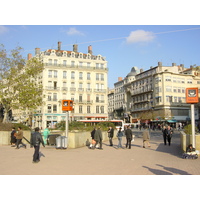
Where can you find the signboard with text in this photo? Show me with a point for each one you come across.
(67, 105)
(192, 95)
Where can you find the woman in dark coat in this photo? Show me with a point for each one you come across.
(13, 139)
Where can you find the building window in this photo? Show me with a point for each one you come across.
(80, 98)
(102, 109)
(189, 81)
(49, 96)
(97, 65)
(97, 98)
(80, 109)
(97, 77)
(175, 89)
(72, 63)
(97, 109)
(54, 96)
(88, 65)
(168, 89)
(88, 76)
(80, 64)
(64, 62)
(72, 75)
(64, 74)
(50, 61)
(50, 73)
(102, 77)
(55, 74)
(168, 78)
(49, 108)
(88, 109)
(80, 75)
(55, 62)
(54, 108)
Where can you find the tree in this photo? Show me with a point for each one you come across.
(19, 84)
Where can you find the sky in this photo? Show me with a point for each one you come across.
(124, 46)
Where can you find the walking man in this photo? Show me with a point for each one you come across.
(19, 137)
(98, 138)
(36, 139)
(129, 136)
(169, 134)
(110, 135)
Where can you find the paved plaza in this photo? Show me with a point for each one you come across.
(156, 160)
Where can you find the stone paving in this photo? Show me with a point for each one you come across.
(159, 159)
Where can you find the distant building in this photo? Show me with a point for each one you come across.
(156, 94)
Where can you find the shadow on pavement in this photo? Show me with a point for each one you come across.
(174, 170)
(157, 171)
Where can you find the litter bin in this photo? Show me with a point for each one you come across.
(61, 142)
(51, 139)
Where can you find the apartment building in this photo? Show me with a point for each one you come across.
(81, 77)
(157, 93)
(122, 97)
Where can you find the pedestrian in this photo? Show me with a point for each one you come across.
(129, 137)
(98, 138)
(146, 136)
(19, 137)
(169, 134)
(119, 136)
(164, 131)
(13, 139)
(93, 141)
(46, 132)
(110, 135)
(36, 139)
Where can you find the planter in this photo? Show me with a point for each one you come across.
(187, 139)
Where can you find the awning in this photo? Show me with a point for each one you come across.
(172, 121)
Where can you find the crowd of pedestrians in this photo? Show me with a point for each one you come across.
(96, 135)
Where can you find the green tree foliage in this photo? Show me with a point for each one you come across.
(19, 84)
(188, 129)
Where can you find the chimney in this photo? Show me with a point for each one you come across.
(173, 64)
(182, 66)
(159, 64)
(90, 49)
(141, 70)
(37, 51)
(75, 48)
(29, 56)
(59, 46)
(119, 78)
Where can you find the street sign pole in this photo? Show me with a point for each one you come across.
(193, 126)
(67, 126)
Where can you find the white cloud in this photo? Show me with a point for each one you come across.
(3, 29)
(140, 36)
(74, 31)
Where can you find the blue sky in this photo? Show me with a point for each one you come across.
(124, 46)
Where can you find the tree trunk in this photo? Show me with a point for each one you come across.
(5, 118)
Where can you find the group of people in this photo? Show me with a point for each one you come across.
(35, 140)
(16, 138)
(97, 138)
(96, 135)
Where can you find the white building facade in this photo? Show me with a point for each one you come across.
(74, 76)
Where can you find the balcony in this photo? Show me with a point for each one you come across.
(100, 90)
(52, 88)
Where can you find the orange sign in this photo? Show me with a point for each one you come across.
(67, 105)
(192, 95)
